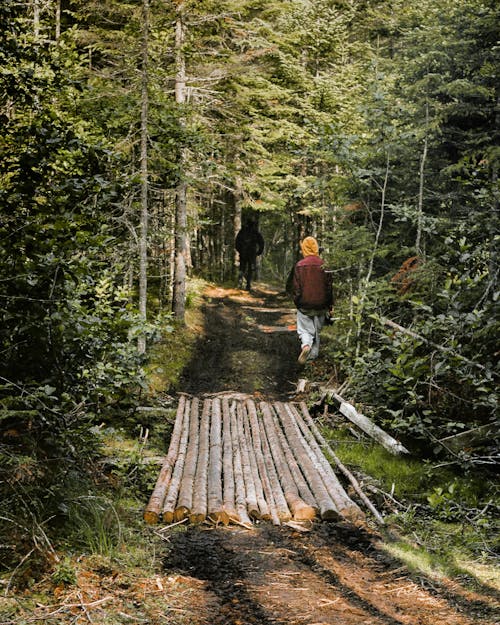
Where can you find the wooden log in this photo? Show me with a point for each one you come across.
(363, 423)
(214, 489)
(264, 510)
(354, 482)
(298, 477)
(344, 504)
(173, 487)
(299, 509)
(185, 497)
(280, 500)
(155, 504)
(325, 503)
(261, 463)
(239, 480)
(199, 506)
(250, 492)
(228, 492)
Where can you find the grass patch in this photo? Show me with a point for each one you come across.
(169, 357)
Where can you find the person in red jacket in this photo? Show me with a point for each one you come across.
(312, 295)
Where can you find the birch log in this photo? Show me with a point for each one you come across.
(300, 510)
(325, 503)
(302, 485)
(155, 504)
(228, 492)
(354, 482)
(250, 491)
(173, 488)
(264, 511)
(185, 497)
(239, 480)
(280, 501)
(214, 490)
(199, 507)
(346, 507)
(363, 423)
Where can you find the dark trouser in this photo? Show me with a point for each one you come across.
(246, 268)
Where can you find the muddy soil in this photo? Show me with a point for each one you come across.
(333, 574)
(249, 344)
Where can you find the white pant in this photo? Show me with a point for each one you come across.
(308, 329)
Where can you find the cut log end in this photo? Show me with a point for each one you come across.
(150, 517)
(181, 513)
(304, 513)
(329, 514)
(168, 516)
(219, 517)
(197, 518)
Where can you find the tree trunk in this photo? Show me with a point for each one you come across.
(214, 489)
(326, 505)
(354, 482)
(179, 292)
(152, 511)
(346, 507)
(239, 480)
(143, 232)
(300, 510)
(246, 466)
(363, 423)
(420, 211)
(199, 507)
(228, 467)
(185, 498)
(262, 466)
(264, 511)
(173, 488)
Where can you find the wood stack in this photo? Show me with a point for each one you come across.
(231, 460)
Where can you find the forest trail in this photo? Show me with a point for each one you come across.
(331, 574)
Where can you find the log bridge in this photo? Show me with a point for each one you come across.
(234, 460)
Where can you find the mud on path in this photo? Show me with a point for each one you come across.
(334, 574)
(249, 344)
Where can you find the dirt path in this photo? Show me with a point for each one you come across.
(334, 574)
(249, 344)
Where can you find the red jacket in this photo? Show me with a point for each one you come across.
(312, 286)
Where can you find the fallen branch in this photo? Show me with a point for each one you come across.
(364, 423)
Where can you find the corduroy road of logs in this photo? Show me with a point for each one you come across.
(235, 460)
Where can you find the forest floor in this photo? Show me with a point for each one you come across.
(332, 573)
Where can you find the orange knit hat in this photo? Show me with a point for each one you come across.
(309, 247)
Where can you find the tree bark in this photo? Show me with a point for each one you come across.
(239, 480)
(143, 231)
(246, 466)
(363, 423)
(179, 287)
(325, 503)
(199, 507)
(228, 467)
(185, 498)
(300, 510)
(214, 489)
(173, 488)
(354, 482)
(152, 511)
(344, 504)
(264, 511)
(302, 485)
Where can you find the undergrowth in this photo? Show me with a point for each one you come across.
(438, 519)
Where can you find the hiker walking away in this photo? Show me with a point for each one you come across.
(312, 295)
(249, 244)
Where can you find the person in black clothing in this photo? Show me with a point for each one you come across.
(249, 244)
